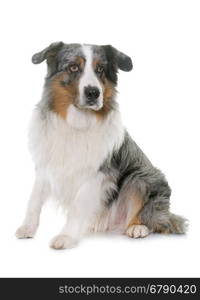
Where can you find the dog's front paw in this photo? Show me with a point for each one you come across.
(137, 231)
(62, 241)
(26, 231)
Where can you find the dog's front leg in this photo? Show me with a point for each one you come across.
(82, 212)
(38, 196)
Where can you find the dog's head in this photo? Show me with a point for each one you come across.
(82, 75)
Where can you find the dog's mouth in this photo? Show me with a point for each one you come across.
(96, 106)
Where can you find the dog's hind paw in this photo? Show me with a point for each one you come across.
(137, 231)
(25, 231)
(62, 241)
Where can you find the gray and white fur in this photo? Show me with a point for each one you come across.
(84, 156)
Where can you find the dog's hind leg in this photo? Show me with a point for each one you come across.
(135, 227)
(156, 214)
(150, 210)
(38, 196)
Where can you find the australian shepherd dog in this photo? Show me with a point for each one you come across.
(85, 158)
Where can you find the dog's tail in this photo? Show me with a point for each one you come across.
(164, 222)
(177, 224)
(170, 223)
(158, 218)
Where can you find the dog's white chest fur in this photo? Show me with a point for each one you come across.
(69, 152)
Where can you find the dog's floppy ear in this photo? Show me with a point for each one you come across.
(48, 53)
(122, 60)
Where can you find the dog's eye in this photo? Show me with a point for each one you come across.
(74, 68)
(99, 69)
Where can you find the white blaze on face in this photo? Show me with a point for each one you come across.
(89, 78)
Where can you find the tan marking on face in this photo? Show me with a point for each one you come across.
(80, 61)
(108, 94)
(96, 62)
(138, 203)
(63, 96)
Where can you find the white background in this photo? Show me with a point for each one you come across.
(159, 101)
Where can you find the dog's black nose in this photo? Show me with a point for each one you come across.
(91, 93)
